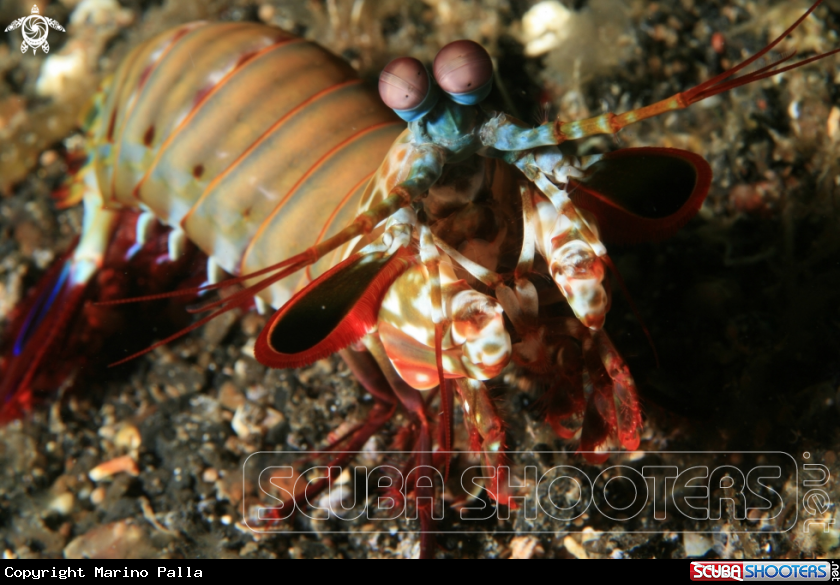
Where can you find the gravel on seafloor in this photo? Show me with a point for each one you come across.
(743, 304)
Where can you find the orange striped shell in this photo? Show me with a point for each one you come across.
(255, 142)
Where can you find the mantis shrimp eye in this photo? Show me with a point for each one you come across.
(405, 87)
(463, 69)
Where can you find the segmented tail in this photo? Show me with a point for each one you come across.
(37, 325)
(59, 328)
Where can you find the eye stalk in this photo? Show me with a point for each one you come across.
(405, 87)
(463, 69)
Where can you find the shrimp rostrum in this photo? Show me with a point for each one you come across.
(433, 270)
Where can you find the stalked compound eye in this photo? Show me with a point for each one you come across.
(405, 87)
(463, 69)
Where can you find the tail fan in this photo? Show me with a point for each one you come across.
(36, 325)
(58, 329)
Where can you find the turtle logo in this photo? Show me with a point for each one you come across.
(35, 30)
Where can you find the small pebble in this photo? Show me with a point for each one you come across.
(696, 545)
(97, 496)
(266, 12)
(62, 504)
(128, 437)
(249, 549)
(574, 548)
(210, 475)
(120, 540)
(48, 157)
(589, 534)
(525, 547)
(124, 464)
(230, 397)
